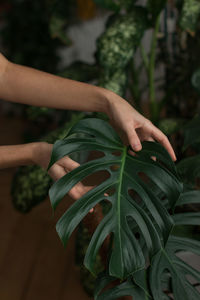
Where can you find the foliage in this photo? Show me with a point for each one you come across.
(116, 47)
(155, 7)
(156, 208)
(190, 15)
(145, 262)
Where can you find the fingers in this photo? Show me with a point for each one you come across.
(56, 172)
(163, 140)
(67, 163)
(134, 139)
(148, 132)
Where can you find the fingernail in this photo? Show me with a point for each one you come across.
(137, 147)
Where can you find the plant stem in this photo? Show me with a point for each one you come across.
(153, 105)
(145, 58)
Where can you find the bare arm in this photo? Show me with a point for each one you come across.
(33, 87)
(29, 86)
(39, 153)
(18, 155)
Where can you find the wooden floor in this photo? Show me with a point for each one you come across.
(33, 263)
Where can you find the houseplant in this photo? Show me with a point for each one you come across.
(116, 64)
(143, 247)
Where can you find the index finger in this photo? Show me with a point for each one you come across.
(160, 137)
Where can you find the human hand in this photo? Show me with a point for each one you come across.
(41, 156)
(133, 127)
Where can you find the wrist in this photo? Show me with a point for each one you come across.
(41, 153)
(108, 99)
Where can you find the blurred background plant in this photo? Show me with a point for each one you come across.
(147, 53)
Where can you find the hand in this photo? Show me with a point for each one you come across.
(134, 126)
(41, 156)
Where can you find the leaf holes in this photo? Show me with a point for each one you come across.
(116, 153)
(144, 177)
(95, 155)
(135, 196)
(96, 178)
(111, 191)
(114, 168)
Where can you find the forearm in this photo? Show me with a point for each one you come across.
(17, 155)
(29, 86)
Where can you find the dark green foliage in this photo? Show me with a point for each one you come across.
(167, 261)
(116, 46)
(127, 288)
(155, 7)
(30, 184)
(150, 217)
(116, 82)
(190, 15)
(144, 251)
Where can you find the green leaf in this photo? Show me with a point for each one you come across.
(127, 288)
(116, 46)
(154, 222)
(155, 7)
(166, 261)
(190, 197)
(190, 218)
(190, 15)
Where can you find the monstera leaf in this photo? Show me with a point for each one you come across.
(167, 262)
(187, 218)
(165, 270)
(127, 288)
(125, 171)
